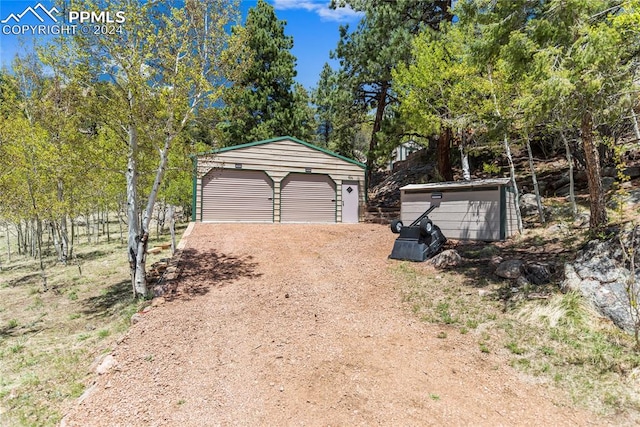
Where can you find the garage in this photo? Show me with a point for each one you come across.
(277, 180)
(308, 198)
(231, 195)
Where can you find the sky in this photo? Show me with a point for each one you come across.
(313, 25)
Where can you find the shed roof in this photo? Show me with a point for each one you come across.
(457, 185)
(285, 138)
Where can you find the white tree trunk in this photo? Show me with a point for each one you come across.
(636, 129)
(507, 150)
(536, 188)
(512, 173)
(132, 212)
(140, 281)
(572, 196)
(6, 227)
(464, 159)
(172, 228)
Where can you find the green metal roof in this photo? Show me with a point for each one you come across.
(285, 138)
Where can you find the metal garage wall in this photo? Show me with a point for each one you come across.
(471, 215)
(307, 198)
(230, 195)
(280, 157)
(481, 209)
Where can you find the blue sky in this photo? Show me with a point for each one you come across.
(312, 24)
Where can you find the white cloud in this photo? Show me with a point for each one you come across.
(321, 8)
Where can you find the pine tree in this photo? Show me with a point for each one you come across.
(262, 102)
(381, 41)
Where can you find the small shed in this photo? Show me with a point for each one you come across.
(482, 209)
(277, 180)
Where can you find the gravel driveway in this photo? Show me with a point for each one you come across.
(277, 325)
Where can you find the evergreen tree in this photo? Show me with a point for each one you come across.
(337, 121)
(571, 61)
(262, 102)
(381, 41)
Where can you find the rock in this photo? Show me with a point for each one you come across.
(596, 262)
(558, 228)
(537, 273)
(601, 273)
(108, 363)
(582, 221)
(136, 318)
(607, 183)
(510, 269)
(447, 258)
(528, 204)
(632, 172)
(612, 300)
(495, 261)
(87, 393)
(571, 279)
(633, 197)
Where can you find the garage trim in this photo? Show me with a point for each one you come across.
(267, 141)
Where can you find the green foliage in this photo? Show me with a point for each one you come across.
(337, 119)
(368, 54)
(262, 101)
(441, 87)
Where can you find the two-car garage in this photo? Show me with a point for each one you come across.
(278, 180)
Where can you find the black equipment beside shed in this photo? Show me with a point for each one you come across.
(419, 241)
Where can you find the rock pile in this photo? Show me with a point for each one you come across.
(535, 273)
(602, 273)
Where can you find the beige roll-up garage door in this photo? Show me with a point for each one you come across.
(230, 195)
(308, 198)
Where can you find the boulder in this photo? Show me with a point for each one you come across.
(447, 258)
(528, 204)
(108, 363)
(607, 183)
(537, 273)
(601, 274)
(510, 269)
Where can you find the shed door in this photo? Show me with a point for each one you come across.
(231, 195)
(308, 198)
(350, 202)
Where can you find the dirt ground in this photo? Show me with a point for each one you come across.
(304, 325)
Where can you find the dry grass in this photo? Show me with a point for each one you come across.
(49, 338)
(557, 339)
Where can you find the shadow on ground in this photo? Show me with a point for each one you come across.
(202, 270)
(110, 299)
(480, 260)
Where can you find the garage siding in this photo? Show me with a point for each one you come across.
(481, 210)
(237, 196)
(308, 198)
(279, 158)
(461, 215)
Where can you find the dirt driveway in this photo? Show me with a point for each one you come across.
(277, 325)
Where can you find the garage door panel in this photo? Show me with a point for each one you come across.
(231, 195)
(308, 198)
